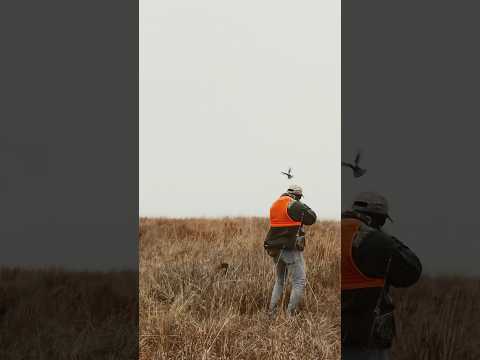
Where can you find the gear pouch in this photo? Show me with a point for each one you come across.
(383, 330)
(300, 243)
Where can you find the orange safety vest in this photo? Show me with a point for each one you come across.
(352, 277)
(279, 214)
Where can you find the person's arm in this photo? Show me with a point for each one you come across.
(373, 254)
(405, 268)
(295, 210)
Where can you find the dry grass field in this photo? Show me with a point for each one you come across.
(55, 314)
(438, 319)
(205, 285)
(204, 288)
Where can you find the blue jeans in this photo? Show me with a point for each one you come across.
(288, 261)
(364, 354)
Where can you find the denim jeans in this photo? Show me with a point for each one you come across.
(288, 261)
(364, 354)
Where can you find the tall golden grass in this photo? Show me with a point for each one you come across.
(438, 319)
(205, 285)
(55, 314)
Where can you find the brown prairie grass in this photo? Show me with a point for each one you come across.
(438, 319)
(205, 285)
(55, 314)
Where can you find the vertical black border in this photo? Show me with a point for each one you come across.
(69, 185)
(410, 99)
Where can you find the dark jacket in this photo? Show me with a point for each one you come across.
(371, 251)
(284, 237)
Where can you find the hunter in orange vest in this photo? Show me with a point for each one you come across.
(285, 242)
(352, 277)
(287, 217)
(279, 213)
(372, 260)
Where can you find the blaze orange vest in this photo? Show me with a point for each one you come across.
(279, 214)
(352, 277)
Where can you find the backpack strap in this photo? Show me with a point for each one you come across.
(376, 310)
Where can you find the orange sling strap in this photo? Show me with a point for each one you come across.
(279, 214)
(352, 277)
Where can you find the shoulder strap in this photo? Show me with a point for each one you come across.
(376, 311)
(301, 223)
(385, 287)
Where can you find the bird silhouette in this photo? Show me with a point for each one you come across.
(288, 174)
(357, 170)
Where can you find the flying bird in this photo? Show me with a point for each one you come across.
(357, 170)
(288, 174)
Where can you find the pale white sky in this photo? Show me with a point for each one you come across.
(232, 93)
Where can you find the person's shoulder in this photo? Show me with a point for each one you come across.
(355, 215)
(376, 238)
(295, 206)
(306, 208)
(301, 203)
(363, 233)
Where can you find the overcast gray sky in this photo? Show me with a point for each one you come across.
(231, 93)
(429, 190)
(414, 110)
